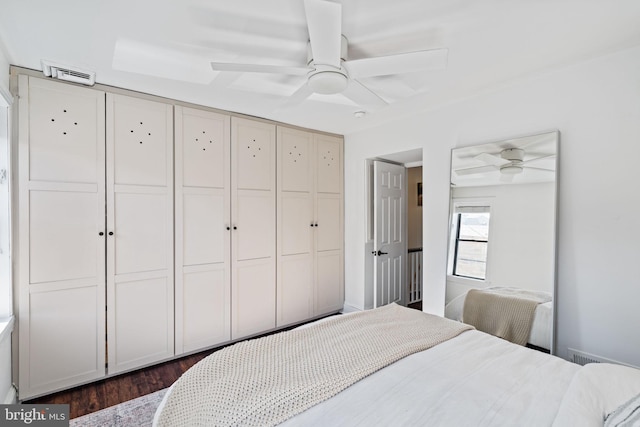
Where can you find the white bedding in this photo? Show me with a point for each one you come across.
(476, 379)
(472, 380)
(541, 328)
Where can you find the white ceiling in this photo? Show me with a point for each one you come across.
(164, 47)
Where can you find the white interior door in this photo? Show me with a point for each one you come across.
(390, 247)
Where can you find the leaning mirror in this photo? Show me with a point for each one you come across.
(501, 259)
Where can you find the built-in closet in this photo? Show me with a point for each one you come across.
(310, 225)
(148, 230)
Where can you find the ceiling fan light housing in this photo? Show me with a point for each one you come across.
(511, 169)
(328, 82)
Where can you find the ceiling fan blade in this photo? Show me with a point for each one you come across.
(471, 171)
(540, 169)
(296, 97)
(539, 158)
(397, 64)
(324, 21)
(259, 68)
(363, 96)
(492, 159)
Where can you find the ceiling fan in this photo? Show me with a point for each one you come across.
(329, 71)
(510, 162)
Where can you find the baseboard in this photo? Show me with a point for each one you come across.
(350, 309)
(11, 397)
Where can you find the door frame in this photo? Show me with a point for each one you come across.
(409, 158)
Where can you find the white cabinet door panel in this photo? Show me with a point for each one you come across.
(254, 298)
(140, 323)
(295, 289)
(204, 141)
(63, 225)
(141, 234)
(206, 306)
(61, 258)
(253, 209)
(296, 220)
(329, 230)
(255, 221)
(295, 160)
(64, 124)
(140, 266)
(330, 283)
(253, 155)
(141, 130)
(328, 164)
(204, 232)
(67, 344)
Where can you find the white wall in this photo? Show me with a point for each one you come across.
(596, 107)
(4, 70)
(521, 237)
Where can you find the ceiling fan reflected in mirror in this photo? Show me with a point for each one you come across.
(510, 162)
(328, 69)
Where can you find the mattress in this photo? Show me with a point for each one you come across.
(476, 379)
(541, 328)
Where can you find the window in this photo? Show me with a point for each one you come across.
(471, 241)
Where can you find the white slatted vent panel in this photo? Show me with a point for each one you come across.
(582, 358)
(70, 74)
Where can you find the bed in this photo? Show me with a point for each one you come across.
(470, 379)
(541, 328)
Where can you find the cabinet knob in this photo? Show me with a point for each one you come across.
(311, 225)
(101, 233)
(235, 228)
(111, 233)
(315, 225)
(228, 228)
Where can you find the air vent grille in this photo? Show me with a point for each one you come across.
(70, 74)
(582, 358)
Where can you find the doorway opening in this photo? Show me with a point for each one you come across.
(391, 224)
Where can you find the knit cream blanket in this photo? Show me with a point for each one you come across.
(502, 314)
(265, 381)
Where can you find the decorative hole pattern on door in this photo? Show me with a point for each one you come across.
(254, 153)
(328, 164)
(296, 160)
(203, 149)
(63, 134)
(140, 131)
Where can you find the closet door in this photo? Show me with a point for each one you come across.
(61, 272)
(203, 237)
(253, 210)
(140, 232)
(296, 226)
(329, 242)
